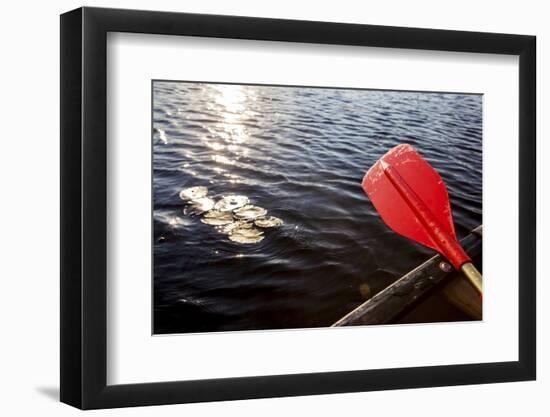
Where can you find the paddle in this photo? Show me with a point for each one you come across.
(412, 199)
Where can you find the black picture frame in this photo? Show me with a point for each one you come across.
(84, 207)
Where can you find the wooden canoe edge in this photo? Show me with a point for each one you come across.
(410, 288)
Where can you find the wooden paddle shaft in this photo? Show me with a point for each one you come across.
(473, 275)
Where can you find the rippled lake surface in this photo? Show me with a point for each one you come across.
(301, 154)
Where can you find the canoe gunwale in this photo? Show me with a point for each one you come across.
(408, 290)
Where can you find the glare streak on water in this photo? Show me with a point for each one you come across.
(300, 154)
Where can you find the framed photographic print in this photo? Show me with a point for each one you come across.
(258, 207)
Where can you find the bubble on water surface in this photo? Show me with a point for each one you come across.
(270, 221)
(217, 218)
(193, 193)
(249, 212)
(231, 202)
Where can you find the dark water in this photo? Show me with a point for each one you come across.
(301, 154)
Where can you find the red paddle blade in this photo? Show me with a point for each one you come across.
(412, 199)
